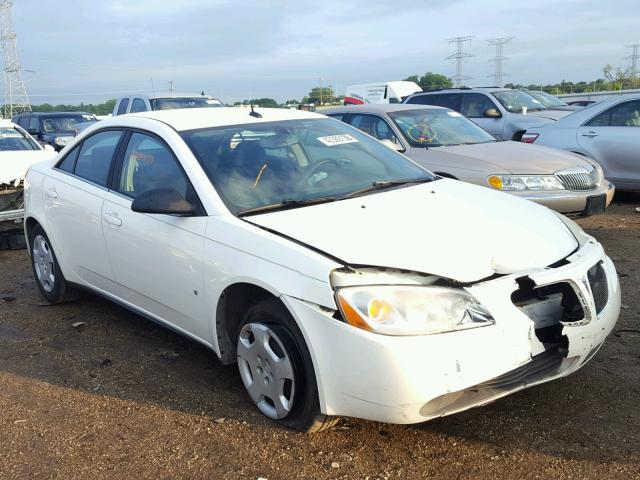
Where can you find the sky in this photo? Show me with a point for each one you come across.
(90, 51)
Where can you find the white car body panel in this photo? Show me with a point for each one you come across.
(438, 233)
(14, 164)
(175, 270)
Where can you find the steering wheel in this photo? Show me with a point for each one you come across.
(422, 133)
(317, 166)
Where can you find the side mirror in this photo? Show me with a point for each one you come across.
(165, 201)
(393, 146)
(492, 113)
(48, 147)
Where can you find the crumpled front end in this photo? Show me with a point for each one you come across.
(548, 323)
(11, 215)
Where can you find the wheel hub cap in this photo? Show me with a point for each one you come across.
(266, 370)
(43, 263)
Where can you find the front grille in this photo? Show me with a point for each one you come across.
(578, 179)
(542, 365)
(599, 288)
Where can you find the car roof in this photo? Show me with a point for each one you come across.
(464, 89)
(168, 95)
(7, 123)
(379, 108)
(52, 114)
(196, 118)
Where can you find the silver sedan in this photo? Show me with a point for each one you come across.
(608, 132)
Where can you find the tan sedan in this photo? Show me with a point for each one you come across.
(447, 143)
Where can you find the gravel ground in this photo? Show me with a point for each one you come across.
(123, 398)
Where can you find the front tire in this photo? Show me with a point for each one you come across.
(276, 369)
(46, 270)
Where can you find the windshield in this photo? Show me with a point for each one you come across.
(193, 102)
(64, 123)
(438, 128)
(12, 139)
(547, 99)
(294, 161)
(515, 100)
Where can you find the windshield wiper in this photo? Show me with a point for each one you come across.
(384, 184)
(286, 204)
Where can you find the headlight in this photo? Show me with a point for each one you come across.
(525, 182)
(61, 141)
(411, 310)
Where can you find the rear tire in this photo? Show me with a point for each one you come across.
(46, 270)
(272, 352)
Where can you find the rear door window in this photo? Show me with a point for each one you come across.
(34, 124)
(122, 108)
(374, 126)
(96, 156)
(138, 105)
(425, 99)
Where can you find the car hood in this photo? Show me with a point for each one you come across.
(14, 164)
(500, 157)
(551, 114)
(446, 228)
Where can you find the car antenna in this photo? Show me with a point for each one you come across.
(254, 113)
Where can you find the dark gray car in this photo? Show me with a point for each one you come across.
(446, 143)
(503, 112)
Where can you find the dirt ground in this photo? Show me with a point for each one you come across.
(123, 398)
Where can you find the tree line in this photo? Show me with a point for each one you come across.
(612, 79)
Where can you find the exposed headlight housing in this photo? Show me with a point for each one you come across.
(525, 182)
(62, 141)
(411, 310)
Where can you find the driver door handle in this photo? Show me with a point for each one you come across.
(112, 218)
(590, 134)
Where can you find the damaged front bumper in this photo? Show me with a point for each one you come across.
(548, 323)
(11, 206)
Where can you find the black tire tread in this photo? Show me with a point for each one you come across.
(309, 422)
(64, 292)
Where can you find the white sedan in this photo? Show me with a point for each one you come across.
(344, 279)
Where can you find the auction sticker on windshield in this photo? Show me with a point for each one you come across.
(333, 140)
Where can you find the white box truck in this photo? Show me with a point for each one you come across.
(383, 92)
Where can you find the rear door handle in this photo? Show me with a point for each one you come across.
(590, 134)
(112, 218)
(51, 192)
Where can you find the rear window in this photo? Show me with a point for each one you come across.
(184, 102)
(64, 123)
(12, 140)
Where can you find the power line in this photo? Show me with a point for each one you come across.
(15, 93)
(498, 61)
(633, 69)
(460, 57)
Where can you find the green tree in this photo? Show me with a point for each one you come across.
(431, 81)
(322, 95)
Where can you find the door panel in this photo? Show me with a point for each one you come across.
(616, 149)
(73, 209)
(158, 262)
(157, 259)
(612, 138)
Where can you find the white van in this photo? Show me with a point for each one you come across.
(383, 92)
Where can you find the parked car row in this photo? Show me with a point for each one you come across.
(274, 237)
